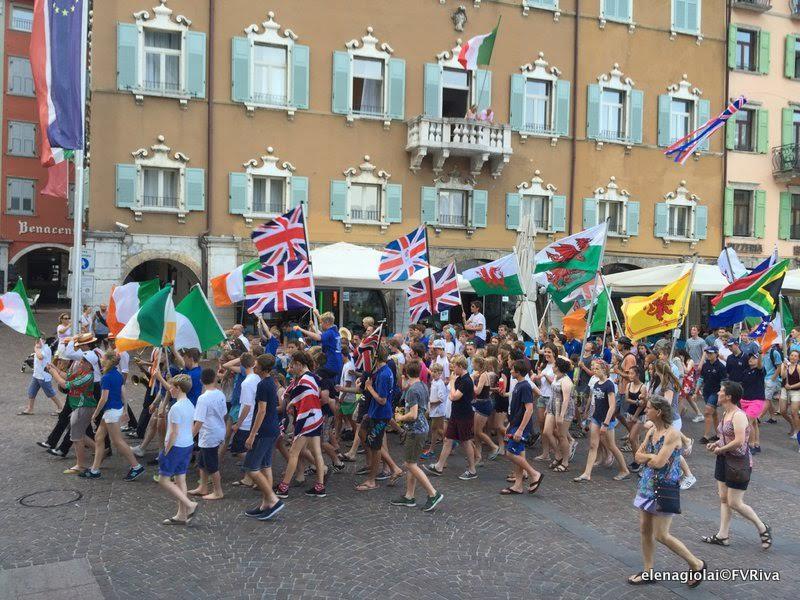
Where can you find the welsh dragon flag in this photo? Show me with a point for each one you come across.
(581, 251)
(497, 278)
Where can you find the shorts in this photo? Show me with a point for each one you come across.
(237, 443)
(771, 389)
(479, 342)
(40, 384)
(542, 401)
(483, 407)
(719, 475)
(79, 421)
(112, 415)
(461, 430)
(500, 404)
(413, 446)
(753, 408)
(794, 396)
(347, 408)
(710, 399)
(677, 423)
(361, 410)
(208, 460)
(611, 425)
(174, 462)
(517, 448)
(260, 457)
(554, 408)
(233, 413)
(374, 430)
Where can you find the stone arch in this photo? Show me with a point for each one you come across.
(178, 258)
(43, 246)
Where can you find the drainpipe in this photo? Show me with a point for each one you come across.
(725, 101)
(573, 164)
(203, 240)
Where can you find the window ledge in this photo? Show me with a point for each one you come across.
(182, 97)
(17, 213)
(250, 217)
(630, 23)
(673, 34)
(138, 212)
(551, 135)
(355, 116)
(348, 224)
(748, 71)
(754, 152)
(526, 9)
(622, 237)
(680, 240)
(252, 106)
(469, 230)
(745, 238)
(628, 144)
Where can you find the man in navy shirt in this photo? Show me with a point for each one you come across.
(712, 372)
(571, 345)
(188, 361)
(331, 344)
(520, 429)
(736, 362)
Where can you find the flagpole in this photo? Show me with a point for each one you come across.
(430, 280)
(483, 84)
(310, 271)
(587, 331)
(684, 304)
(611, 304)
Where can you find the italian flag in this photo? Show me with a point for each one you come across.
(126, 300)
(478, 50)
(497, 278)
(581, 251)
(15, 311)
(229, 287)
(197, 326)
(154, 324)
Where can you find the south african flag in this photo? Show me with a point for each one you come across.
(755, 295)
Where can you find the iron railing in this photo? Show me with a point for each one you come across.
(358, 214)
(756, 5)
(453, 220)
(679, 231)
(786, 161)
(272, 99)
(18, 24)
(160, 201)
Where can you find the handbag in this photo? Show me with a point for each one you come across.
(668, 497)
(737, 467)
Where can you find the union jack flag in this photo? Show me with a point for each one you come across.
(404, 256)
(685, 147)
(279, 288)
(365, 353)
(445, 294)
(282, 239)
(304, 402)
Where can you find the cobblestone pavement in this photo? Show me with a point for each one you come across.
(568, 541)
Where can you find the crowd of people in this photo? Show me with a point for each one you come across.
(298, 390)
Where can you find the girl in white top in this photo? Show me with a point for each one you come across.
(63, 331)
(438, 407)
(545, 384)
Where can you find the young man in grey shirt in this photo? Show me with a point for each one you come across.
(695, 345)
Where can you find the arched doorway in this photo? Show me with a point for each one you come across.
(179, 275)
(44, 271)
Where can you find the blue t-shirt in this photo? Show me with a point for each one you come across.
(772, 359)
(522, 395)
(197, 385)
(237, 386)
(383, 382)
(113, 382)
(735, 366)
(331, 344)
(573, 346)
(271, 345)
(267, 392)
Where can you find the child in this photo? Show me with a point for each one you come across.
(437, 411)
(441, 358)
(209, 423)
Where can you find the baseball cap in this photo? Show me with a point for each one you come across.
(732, 341)
(711, 349)
(439, 344)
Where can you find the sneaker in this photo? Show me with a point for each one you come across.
(698, 419)
(44, 445)
(89, 474)
(134, 473)
(466, 476)
(688, 481)
(771, 421)
(318, 491)
(337, 468)
(383, 476)
(426, 456)
(496, 453)
(432, 470)
(271, 511)
(403, 501)
(137, 451)
(282, 491)
(254, 513)
(704, 440)
(634, 467)
(432, 502)
(56, 452)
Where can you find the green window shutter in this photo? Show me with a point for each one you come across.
(559, 221)
(700, 222)
(730, 133)
(127, 182)
(127, 56)
(789, 57)
(480, 208)
(483, 89)
(593, 112)
(429, 204)
(787, 126)
(237, 193)
(664, 121)
(589, 212)
(703, 115)
(632, 222)
(394, 203)
(732, 33)
(340, 97)
(433, 90)
(397, 88)
(300, 76)
(512, 211)
(562, 97)
(692, 15)
(661, 221)
(760, 213)
(785, 216)
(195, 189)
(762, 140)
(298, 187)
(763, 52)
(727, 213)
(241, 70)
(679, 14)
(516, 109)
(196, 64)
(636, 116)
(339, 210)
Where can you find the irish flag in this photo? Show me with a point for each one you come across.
(581, 251)
(154, 324)
(497, 278)
(229, 287)
(126, 300)
(197, 326)
(15, 311)
(478, 50)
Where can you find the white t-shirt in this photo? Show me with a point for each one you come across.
(182, 415)
(545, 387)
(210, 411)
(245, 341)
(478, 319)
(442, 360)
(247, 397)
(449, 348)
(348, 379)
(439, 392)
(124, 362)
(39, 370)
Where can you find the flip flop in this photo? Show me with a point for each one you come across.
(365, 488)
(345, 458)
(174, 521)
(509, 492)
(535, 485)
(622, 477)
(25, 413)
(71, 471)
(193, 493)
(394, 478)
(191, 515)
(581, 479)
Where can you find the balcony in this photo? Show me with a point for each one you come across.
(442, 138)
(786, 162)
(754, 5)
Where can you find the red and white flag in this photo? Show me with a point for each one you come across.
(282, 240)
(444, 294)
(280, 288)
(365, 353)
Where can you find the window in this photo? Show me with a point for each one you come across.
(368, 86)
(453, 208)
(21, 18)
(537, 105)
(21, 138)
(20, 78)
(681, 118)
(612, 121)
(538, 209)
(455, 92)
(162, 52)
(686, 16)
(795, 232)
(269, 74)
(616, 10)
(794, 57)
(365, 202)
(745, 120)
(20, 194)
(268, 195)
(680, 219)
(160, 188)
(742, 213)
(796, 127)
(613, 211)
(746, 42)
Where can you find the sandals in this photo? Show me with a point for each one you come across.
(622, 477)
(365, 488)
(715, 540)
(240, 483)
(174, 521)
(394, 478)
(697, 576)
(766, 537)
(581, 479)
(191, 515)
(626, 448)
(509, 492)
(554, 463)
(535, 485)
(641, 581)
(345, 458)
(560, 468)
